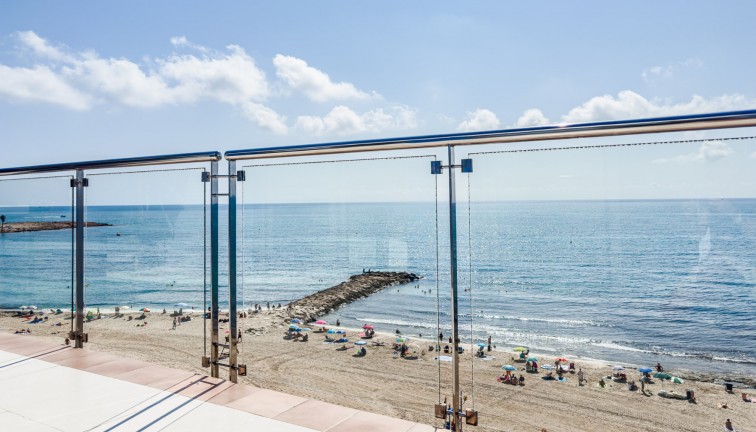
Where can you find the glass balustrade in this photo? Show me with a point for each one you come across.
(36, 251)
(312, 224)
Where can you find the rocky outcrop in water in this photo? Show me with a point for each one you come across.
(357, 287)
(44, 226)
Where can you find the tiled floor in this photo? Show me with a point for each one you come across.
(56, 388)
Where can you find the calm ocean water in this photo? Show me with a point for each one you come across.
(624, 281)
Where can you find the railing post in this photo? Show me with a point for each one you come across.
(456, 406)
(79, 336)
(214, 310)
(232, 349)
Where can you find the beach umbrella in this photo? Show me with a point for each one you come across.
(618, 368)
(520, 349)
(561, 359)
(401, 339)
(481, 344)
(331, 331)
(644, 370)
(293, 326)
(360, 343)
(296, 321)
(662, 376)
(145, 310)
(321, 322)
(509, 368)
(305, 329)
(677, 380)
(24, 307)
(368, 326)
(548, 367)
(32, 307)
(532, 359)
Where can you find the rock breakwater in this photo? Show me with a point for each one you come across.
(357, 287)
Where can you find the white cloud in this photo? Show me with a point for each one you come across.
(478, 120)
(315, 84)
(628, 105)
(656, 73)
(40, 84)
(40, 46)
(532, 117)
(709, 151)
(183, 42)
(265, 117)
(231, 78)
(342, 120)
(79, 80)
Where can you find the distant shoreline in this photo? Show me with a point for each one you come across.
(15, 227)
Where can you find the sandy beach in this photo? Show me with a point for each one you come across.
(384, 383)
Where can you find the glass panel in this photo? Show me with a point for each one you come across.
(614, 255)
(311, 225)
(36, 242)
(151, 255)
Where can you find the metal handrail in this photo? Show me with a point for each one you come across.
(213, 156)
(721, 120)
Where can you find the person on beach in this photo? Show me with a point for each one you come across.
(174, 323)
(338, 323)
(728, 425)
(489, 343)
(581, 377)
(659, 367)
(440, 336)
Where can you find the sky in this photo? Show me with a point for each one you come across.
(98, 80)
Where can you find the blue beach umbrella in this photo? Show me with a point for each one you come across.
(509, 368)
(360, 343)
(532, 359)
(293, 326)
(296, 321)
(644, 370)
(481, 344)
(331, 331)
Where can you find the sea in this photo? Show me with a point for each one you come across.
(626, 282)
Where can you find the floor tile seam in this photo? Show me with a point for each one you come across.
(342, 421)
(32, 420)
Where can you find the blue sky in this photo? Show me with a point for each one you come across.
(94, 80)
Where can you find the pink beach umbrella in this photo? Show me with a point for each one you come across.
(321, 322)
(368, 326)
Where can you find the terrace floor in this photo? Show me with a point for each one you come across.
(49, 387)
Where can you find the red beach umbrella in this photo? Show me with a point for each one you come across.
(368, 326)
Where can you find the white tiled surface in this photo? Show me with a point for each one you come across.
(39, 396)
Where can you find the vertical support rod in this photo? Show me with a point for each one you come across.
(80, 222)
(456, 406)
(233, 348)
(214, 310)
